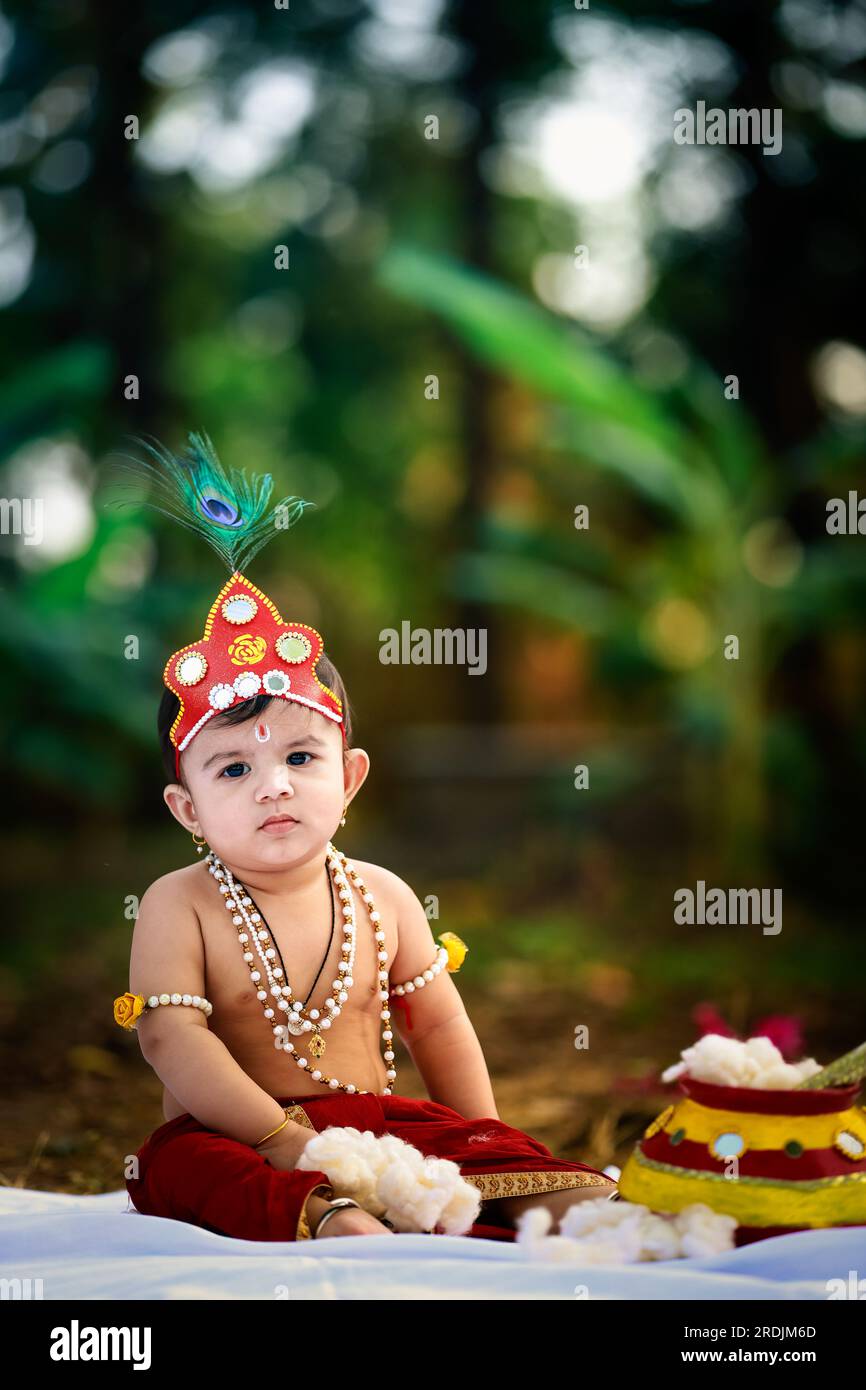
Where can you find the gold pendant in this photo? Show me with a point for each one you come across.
(317, 1044)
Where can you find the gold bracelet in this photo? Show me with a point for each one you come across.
(272, 1133)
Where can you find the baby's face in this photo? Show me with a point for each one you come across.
(288, 762)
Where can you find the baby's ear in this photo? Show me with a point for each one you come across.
(177, 799)
(358, 760)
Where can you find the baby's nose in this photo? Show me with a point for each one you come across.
(277, 780)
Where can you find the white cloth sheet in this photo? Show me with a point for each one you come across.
(94, 1248)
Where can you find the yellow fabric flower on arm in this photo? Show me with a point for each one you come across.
(456, 950)
(128, 1008)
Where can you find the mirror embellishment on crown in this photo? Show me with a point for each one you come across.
(240, 609)
(191, 669)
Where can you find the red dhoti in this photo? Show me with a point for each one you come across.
(190, 1173)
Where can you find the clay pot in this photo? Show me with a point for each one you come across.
(777, 1161)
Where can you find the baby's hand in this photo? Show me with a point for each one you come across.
(352, 1221)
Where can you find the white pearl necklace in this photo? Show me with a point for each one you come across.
(298, 1021)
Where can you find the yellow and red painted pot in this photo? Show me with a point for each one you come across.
(800, 1157)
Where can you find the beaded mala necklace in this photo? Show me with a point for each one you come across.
(253, 934)
(266, 925)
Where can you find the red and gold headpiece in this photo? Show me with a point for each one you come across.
(246, 648)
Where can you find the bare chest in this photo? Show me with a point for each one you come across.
(309, 953)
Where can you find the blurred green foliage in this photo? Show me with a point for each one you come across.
(410, 259)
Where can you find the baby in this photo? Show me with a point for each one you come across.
(265, 780)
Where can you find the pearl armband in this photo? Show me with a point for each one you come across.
(195, 1001)
(129, 1008)
(439, 964)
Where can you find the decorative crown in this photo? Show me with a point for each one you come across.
(246, 648)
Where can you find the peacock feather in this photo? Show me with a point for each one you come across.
(231, 511)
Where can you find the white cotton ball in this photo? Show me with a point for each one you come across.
(535, 1242)
(590, 1215)
(716, 1059)
(750, 1072)
(532, 1229)
(389, 1177)
(703, 1231)
(606, 1245)
(623, 1247)
(624, 1233)
(659, 1238)
(462, 1208)
(348, 1158)
(607, 1225)
(410, 1201)
(394, 1173)
(756, 1063)
(409, 1204)
(427, 1192)
(533, 1224)
(763, 1054)
(781, 1078)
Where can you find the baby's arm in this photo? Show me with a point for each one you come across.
(441, 1042)
(168, 958)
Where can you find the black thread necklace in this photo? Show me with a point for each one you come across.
(276, 945)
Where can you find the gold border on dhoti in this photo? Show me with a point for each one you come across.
(524, 1184)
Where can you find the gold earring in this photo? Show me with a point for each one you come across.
(345, 809)
(199, 844)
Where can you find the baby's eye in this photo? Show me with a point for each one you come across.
(235, 770)
(230, 770)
